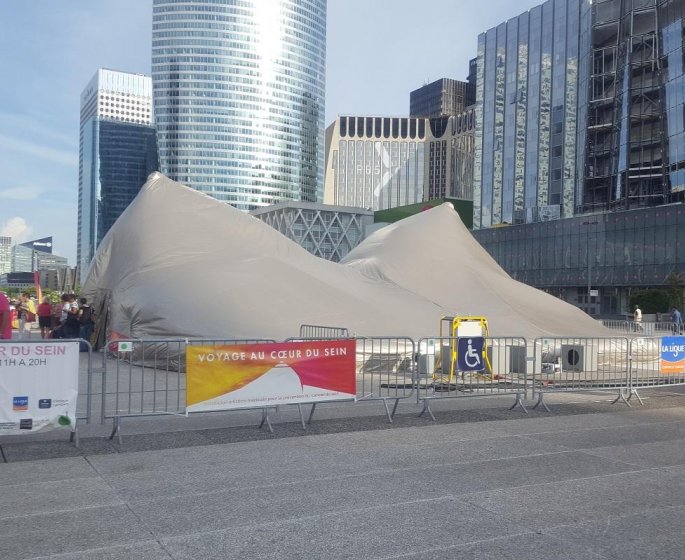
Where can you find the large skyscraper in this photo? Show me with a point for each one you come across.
(117, 151)
(239, 97)
(526, 115)
(580, 109)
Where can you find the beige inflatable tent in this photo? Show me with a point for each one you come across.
(179, 263)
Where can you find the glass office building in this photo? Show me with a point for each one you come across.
(385, 162)
(239, 97)
(580, 109)
(526, 115)
(117, 152)
(442, 98)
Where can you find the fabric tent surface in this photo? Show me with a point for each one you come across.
(178, 263)
(432, 254)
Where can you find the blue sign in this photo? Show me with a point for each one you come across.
(470, 353)
(673, 354)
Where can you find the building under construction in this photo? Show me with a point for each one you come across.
(580, 109)
(634, 144)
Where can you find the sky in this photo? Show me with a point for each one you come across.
(377, 52)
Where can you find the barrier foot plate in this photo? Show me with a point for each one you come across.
(265, 420)
(427, 408)
(518, 402)
(541, 402)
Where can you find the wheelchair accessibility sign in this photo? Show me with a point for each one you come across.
(470, 353)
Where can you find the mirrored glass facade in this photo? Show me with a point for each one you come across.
(527, 102)
(239, 97)
(610, 252)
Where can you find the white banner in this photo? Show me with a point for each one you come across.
(38, 385)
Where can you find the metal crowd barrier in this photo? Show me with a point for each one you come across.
(385, 370)
(322, 332)
(648, 370)
(646, 328)
(507, 373)
(581, 364)
(147, 377)
(616, 325)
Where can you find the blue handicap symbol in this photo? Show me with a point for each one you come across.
(470, 353)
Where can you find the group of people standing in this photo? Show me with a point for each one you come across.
(76, 319)
(68, 319)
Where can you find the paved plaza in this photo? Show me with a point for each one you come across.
(590, 480)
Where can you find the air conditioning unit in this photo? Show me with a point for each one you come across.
(578, 357)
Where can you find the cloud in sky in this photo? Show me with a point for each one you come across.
(17, 229)
(41, 151)
(21, 193)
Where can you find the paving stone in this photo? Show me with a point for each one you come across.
(78, 530)
(565, 502)
(528, 546)
(657, 454)
(55, 496)
(45, 471)
(150, 550)
(648, 535)
(379, 532)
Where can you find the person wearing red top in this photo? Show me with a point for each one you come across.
(5, 318)
(45, 318)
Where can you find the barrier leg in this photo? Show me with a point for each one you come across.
(427, 408)
(73, 437)
(304, 425)
(311, 413)
(541, 401)
(621, 397)
(518, 402)
(634, 392)
(116, 429)
(265, 420)
(387, 410)
(394, 408)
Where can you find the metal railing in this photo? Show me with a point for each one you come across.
(322, 331)
(147, 377)
(385, 370)
(580, 364)
(506, 371)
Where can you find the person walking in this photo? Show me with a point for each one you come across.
(637, 318)
(677, 319)
(23, 310)
(45, 318)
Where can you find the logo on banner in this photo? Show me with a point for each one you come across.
(470, 353)
(45, 403)
(26, 424)
(673, 354)
(20, 403)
